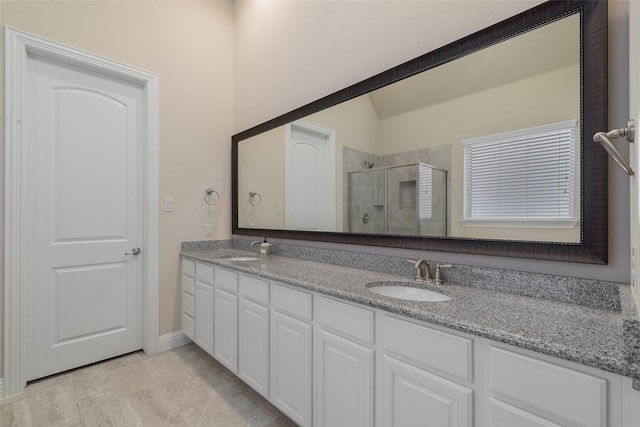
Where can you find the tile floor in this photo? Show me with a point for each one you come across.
(179, 387)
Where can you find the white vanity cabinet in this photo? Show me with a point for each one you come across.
(197, 303)
(226, 319)
(344, 365)
(291, 355)
(327, 362)
(425, 376)
(253, 333)
(204, 307)
(531, 390)
(188, 280)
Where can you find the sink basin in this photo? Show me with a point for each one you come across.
(242, 258)
(406, 291)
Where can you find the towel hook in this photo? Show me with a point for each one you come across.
(603, 139)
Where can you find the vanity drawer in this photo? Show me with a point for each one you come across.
(346, 320)
(188, 285)
(189, 267)
(539, 386)
(430, 348)
(291, 301)
(227, 280)
(188, 304)
(204, 273)
(254, 289)
(188, 326)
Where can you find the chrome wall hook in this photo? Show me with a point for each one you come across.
(603, 139)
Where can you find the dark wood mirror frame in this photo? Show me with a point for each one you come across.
(593, 247)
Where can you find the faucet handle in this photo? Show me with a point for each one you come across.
(438, 279)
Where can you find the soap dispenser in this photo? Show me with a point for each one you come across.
(265, 249)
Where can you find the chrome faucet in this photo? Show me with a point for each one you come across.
(423, 270)
(257, 242)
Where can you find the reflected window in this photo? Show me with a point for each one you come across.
(526, 175)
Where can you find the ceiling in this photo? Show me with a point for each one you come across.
(521, 57)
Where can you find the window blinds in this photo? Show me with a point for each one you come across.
(521, 175)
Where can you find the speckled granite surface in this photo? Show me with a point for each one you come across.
(205, 245)
(590, 293)
(587, 335)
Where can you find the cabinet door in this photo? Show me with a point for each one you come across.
(344, 382)
(412, 397)
(253, 342)
(204, 316)
(291, 367)
(226, 329)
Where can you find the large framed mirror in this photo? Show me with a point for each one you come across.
(483, 146)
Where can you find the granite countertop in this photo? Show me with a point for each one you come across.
(590, 336)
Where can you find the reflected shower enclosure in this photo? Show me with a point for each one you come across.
(407, 200)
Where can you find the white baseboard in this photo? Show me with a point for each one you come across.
(172, 340)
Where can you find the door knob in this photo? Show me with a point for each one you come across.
(134, 251)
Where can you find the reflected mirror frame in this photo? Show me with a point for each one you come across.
(593, 246)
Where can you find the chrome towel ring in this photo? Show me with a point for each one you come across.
(211, 196)
(255, 198)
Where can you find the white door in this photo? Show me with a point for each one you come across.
(634, 109)
(310, 178)
(85, 133)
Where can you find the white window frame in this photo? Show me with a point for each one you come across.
(570, 221)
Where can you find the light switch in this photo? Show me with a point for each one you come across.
(278, 207)
(168, 204)
(208, 229)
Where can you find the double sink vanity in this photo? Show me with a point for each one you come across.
(321, 343)
(342, 339)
